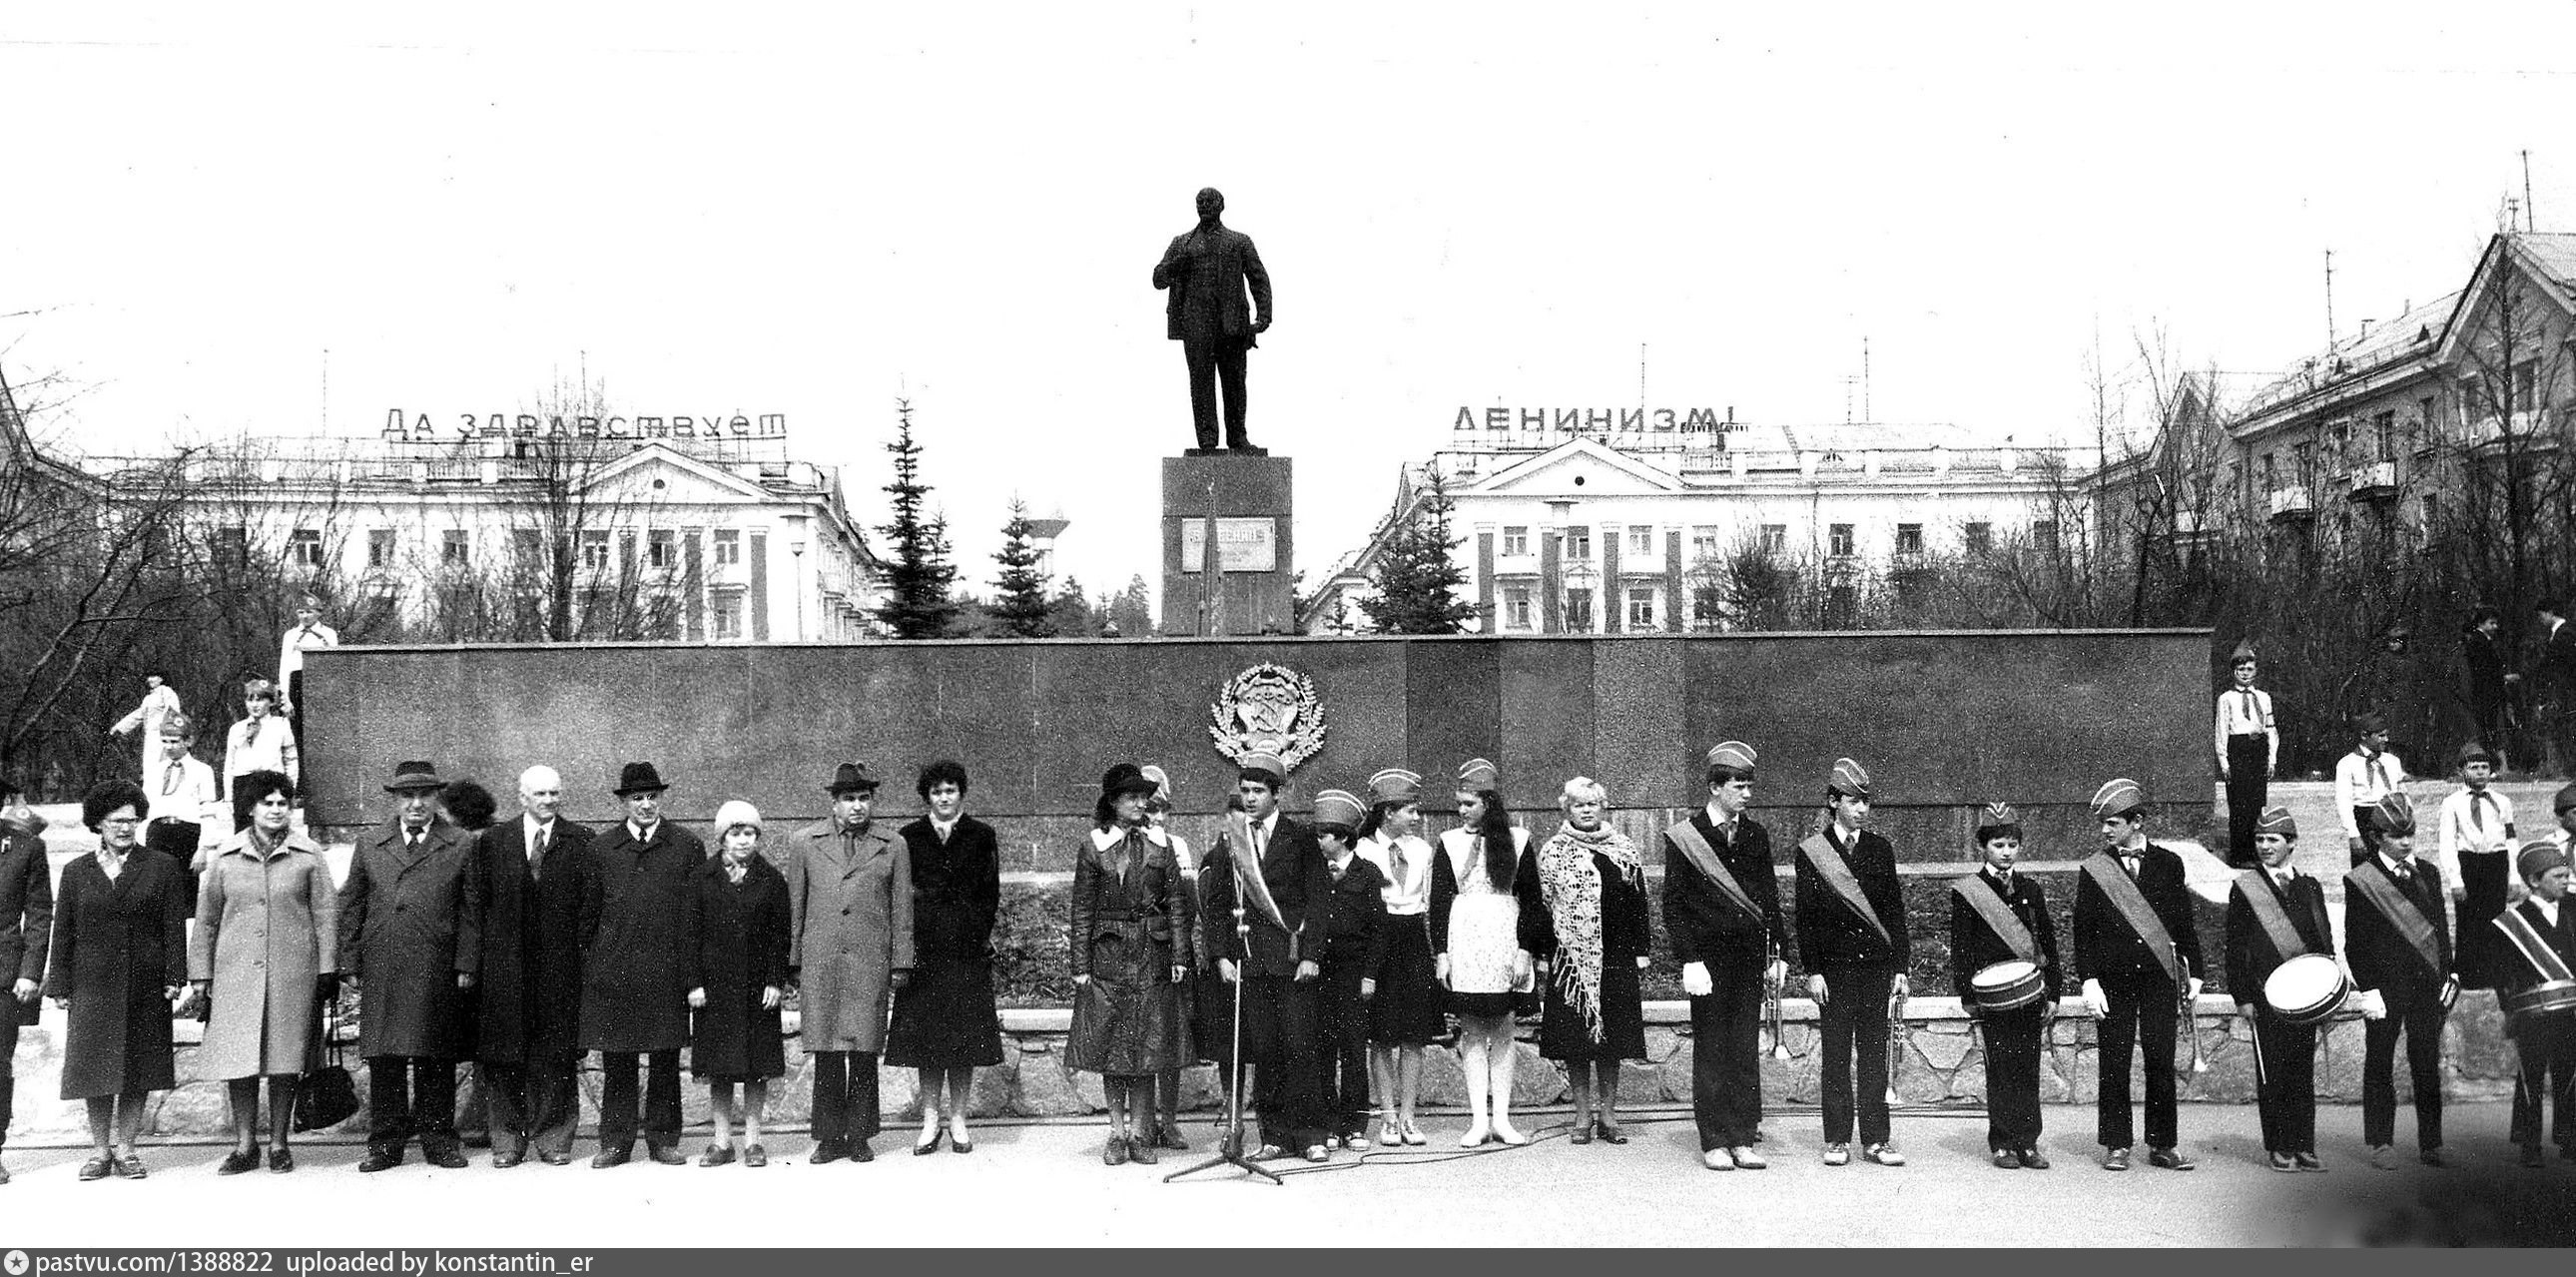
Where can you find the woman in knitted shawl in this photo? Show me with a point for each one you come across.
(1583, 916)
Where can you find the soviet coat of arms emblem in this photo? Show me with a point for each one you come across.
(1268, 709)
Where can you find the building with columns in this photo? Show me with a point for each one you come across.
(1629, 532)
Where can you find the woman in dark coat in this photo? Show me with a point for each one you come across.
(944, 1024)
(1583, 917)
(1126, 1003)
(2483, 678)
(737, 977)
(119, 963)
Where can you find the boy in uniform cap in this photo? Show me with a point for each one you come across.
(2363, 777)
(1997, 915)
(2138, 958)
(2562, 806)
(2537, 945)
(2473, 853)
(1352, 948)
(1722, 914)
(2274, 914)
(2249, 748)
(635, 997)
(1852, 941)
(2398, 941)
(1284, 885)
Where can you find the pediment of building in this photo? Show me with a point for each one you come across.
(655, 474)
(1579, 468)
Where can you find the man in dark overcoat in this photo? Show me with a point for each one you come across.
(411, 935)
(1727, 934)
(635, 994)
(1206, 271)
(26, 926)
(538, 894)
(1282, 1007)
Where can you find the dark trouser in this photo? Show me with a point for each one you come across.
(1855, 1015)
(176, 839)
(10, 1009)
(2547, 1047)
(1283, 1042)
(660, 1094)
(407, 1096)
(845, 1096)
(2146, 1011)
(2481, 949)
(532, 1102)
(2361, 821)
(2248, 757)
(2286, 1091)
(1211, 360)
(2011, 1040)
(471, 1109)
(1726, 1056)
(294, 691)
(2419, 1017)
(1344, 1081)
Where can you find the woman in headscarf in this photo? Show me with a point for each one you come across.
(1583, 916)
(1126, 967)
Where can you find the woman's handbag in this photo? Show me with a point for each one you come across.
(327, 1095)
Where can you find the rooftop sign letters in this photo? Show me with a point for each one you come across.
(418, 428)
(1591, 421)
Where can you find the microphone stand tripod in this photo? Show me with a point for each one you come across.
(1229, 1149)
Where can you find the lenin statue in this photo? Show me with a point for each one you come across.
(1207, 271)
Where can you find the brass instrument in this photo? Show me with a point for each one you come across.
(1772, 1000)
(2186, 1021)
(1895, 1041)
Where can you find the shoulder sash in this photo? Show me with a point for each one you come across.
(1830, 866)
(2381, 891)
(2122, 891)
(2536, 948)
(1703, 858)
(1998, 916)
(2265, 904)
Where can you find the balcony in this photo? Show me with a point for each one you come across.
(2292, 505)
(2372, 481)
(2530, 435)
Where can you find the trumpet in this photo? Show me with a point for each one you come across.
(2186, 1022)
(1772, 1000)
(1895, 1041)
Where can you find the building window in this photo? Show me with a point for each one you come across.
(1516, 608)
(728, 547)
(661, 549)
(2305, 456)
(1641, 540)
(304, 548)
(1578, 610)
(528, 545)
(2431, 513)
(594, 551)
(2043, 536)
(1705, 609)
(2424, 419)
(2271, 473)
(1909, 538)
(232, 547)
(2383, 432)
(452, 545)
(1775, 538)
(1980, 537)
(724, 615)
(1839, 541)
(1704, 544)
(380, 547)
(1641, 608)
(1578, 543)
(1515, 541)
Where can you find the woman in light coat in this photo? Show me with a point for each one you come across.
(264, 952)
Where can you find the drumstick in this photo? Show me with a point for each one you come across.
(2255, 1030)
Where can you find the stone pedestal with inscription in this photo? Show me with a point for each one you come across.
(1250, 500)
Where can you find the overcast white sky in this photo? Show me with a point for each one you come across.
(811, 211)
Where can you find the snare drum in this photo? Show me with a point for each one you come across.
(2307, 989)
(2550, 997)
(2008, 985)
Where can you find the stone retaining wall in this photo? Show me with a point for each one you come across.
(1940, 1064)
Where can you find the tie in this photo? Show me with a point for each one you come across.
(2478, 798)
(1395, 857)
(2402, 874)
(1260, 841)
(170, 777)
(2253, 716)
(2129, 861)
(537, 853)
(411, 841)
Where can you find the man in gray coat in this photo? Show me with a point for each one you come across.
(849, 891)
(1206, 271)
(411, 930)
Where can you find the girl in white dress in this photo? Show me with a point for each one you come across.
(1476, 947)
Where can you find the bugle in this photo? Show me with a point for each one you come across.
(1773, 999)
(2185, 1021)
(1895, 1041)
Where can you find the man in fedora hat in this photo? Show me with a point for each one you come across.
(411, 929)
(538, 891)
(849, 920)
(635, 996)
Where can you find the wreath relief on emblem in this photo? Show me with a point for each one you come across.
(1268, 709)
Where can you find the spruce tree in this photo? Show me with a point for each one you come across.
(1020, 607)
(1416, 578)
(916, 604)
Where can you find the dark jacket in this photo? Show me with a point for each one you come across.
(1353, 921)
(2482, 675)
(740, 948)
(633, 997)
(117, 947)
(1830, 932)
(2251, 955)
(1626, 935)
(956, 890)
(2379, 956)
(2104, 944)
(1292, 866)
(1703, 924)
(2514, 973)
(1228, 255)
(26, 908)
(1974, 945)
(534, 931)
(409, 925)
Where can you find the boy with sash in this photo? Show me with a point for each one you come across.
(1276, 867)
(1997, 915)
(2138, 957)
(1722, 913)
(2538, 945)
(2363, 777)
(2249, 747)
(2274, 914)
(1852, 941)
(2399, 944)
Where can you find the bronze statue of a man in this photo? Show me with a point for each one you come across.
(1207, 271)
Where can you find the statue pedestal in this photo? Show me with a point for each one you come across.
(1255, 545)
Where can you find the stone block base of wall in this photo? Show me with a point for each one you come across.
(1938, 1061)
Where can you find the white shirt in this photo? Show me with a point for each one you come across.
(110, 862)
(1410, 897)
(189, 795)
(942, 828)
(243, 755)
(1261, 831)
(2461, 833)
(2360, 781)
(2548, 910)
(158, 704)
(642, 833)
(298, 641)
(528, 826)
(2246, 711)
